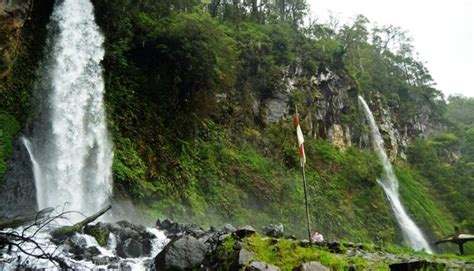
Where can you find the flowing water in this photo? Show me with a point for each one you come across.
(71, 151)
(19, 260)
(389, 183)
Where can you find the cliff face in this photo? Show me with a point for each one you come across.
(328, 104)
(13, 15)
(22, 37)
(14, 6)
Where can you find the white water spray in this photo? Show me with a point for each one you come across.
(72, 147)
(389, 182)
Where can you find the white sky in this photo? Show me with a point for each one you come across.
(442, 32)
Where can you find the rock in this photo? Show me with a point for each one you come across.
(305, 243)
(177, 229)
(261, 266)
(91, 252)
(77, 245)
(312, 266)
(186, 252)
(238, 245)
(244, 257)
(417, 265)
(229, 228)
(277, 107)
(113, 266)
(100, 260)
(133, 248)
(275, 231)
(17, 188)
(193, 230)
(245, 231)
(165, 224)
(334, 247)
(125, 267)
(223, 237)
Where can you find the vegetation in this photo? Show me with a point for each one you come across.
(8, 128)
(289, 254)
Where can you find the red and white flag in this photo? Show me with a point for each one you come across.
(299, 135)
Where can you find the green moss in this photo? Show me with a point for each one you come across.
(99, 233)
(129, 169)
(8, 128)
(418, 196)
(289, 254)
(60, 234)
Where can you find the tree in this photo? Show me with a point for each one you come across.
(25, 240)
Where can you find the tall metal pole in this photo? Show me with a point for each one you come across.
(306, 201)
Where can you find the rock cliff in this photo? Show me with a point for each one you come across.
(328, 104)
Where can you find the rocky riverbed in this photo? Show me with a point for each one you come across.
(175, 246)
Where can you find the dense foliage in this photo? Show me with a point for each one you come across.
(448, 161)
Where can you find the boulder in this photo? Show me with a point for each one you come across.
(244, 257)
(130, 240)
(417, 265)
(97, 260)
(77, 245)
(245, 231)
(133, 248)
(229, 228)
(334, 247)
(184, 253)
(312, 266)
(275, 231)
(261, 266)
(177, 229)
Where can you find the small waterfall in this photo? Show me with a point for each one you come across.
(36, 169)
(71, 144)
(389, 183)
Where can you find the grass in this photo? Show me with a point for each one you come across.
(289, 254)
(420, 200)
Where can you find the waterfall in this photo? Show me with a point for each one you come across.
(36, 168)
(389, 183)
(70, 145)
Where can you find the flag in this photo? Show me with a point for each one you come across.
(299, 135)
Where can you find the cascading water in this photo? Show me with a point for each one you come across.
(71, 145)
(36, 168)
(70, 150)
(389, 183)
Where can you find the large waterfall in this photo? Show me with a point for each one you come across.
(389, 182)
(70, 148)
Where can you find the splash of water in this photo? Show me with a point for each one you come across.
(11, 259)
(71, 145)
(389, 183)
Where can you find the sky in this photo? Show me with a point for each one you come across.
(442, 32)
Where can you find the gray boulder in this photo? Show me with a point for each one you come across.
(261, 266)
(244, 257)
(229, 228)
(275, 231)
(245, 231)
(312, 266)
(184, 253)
(417, 265)
(133, 248)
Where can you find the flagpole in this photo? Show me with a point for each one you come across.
(299, 136)
(306, 201)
